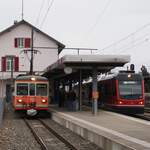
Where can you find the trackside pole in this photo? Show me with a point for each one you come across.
(94, 92)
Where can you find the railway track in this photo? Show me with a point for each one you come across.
(147, 109)
(145, 116)
(47, 137)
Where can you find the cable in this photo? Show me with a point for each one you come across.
(133, 42)
(50, 5)
(39, 14)
(126, 37)
(100, 15)
(135, 45)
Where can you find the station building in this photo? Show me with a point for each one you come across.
(15, 43)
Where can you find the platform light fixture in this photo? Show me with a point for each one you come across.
(68, 70)
(33, 78)
(129, 75)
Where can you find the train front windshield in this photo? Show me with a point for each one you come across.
(130, 89)
(22, 89)
(31, 89)
(41, 89)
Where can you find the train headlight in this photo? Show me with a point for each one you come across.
(120, 102)
(19, 100)
(43, 100)
(141, 103)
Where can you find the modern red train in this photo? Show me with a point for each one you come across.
(31, 93)
(124, 92)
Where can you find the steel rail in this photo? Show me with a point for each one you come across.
(39, 139)
(67, 143)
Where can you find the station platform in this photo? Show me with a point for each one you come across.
(108, 130)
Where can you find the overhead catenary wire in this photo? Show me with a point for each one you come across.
(39, 14)
(126, 37)
(100, 16)
(50, 6)
(132, 43)
(93, 26)
(135, 45)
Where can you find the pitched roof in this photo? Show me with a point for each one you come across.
(60, 45)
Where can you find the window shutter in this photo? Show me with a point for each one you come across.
(16, 67)
(3, 64)
(27, 42)
(15, 42)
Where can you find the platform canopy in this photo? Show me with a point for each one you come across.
(69, 65)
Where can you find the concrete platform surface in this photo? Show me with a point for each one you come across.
(109, 130)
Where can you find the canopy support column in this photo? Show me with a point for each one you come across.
(94, 91)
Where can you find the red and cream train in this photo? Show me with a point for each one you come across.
(31, 93)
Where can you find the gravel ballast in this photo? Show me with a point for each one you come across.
(14, 134)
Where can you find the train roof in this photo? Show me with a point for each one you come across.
(104, 77)
(119, 75)
(30, 77)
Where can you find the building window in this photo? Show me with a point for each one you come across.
(22, 42)
(7, 63)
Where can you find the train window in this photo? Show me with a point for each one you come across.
(130, 90)
(41, 89)
(22, 89)
(32, 89)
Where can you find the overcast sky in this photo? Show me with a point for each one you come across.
(89, 23)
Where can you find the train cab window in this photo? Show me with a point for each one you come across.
(22, 89)
(32, 89)
(41, 89)
(130, 89)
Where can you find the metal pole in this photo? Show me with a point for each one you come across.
(31, 61)
(22, 10)
(80, 89)
(94, 92)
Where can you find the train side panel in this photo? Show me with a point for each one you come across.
(124, 92)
